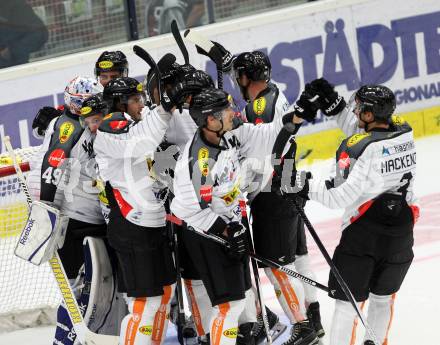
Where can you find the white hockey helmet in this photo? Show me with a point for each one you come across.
(78, 90)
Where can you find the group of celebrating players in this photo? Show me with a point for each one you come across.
(176, 146)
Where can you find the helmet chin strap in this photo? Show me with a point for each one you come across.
(216, 132)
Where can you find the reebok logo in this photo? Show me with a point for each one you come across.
(27, 230)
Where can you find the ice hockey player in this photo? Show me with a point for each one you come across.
(276, 225)
(181, 129)
(375, 171)
(111, 65)
(207, 193)
(145, 262)
(61, 174)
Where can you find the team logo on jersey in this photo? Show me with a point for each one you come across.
(344, 160)
(115, 125)
(258, 121)
(203, 161)
(354, 139)
(206, 193)
(147, 330)
(397, 120)
(232, 195)
(66, 131)
(56, 158)
(259, 105)
(105, 64)
(231, 332)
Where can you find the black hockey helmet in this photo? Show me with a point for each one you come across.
(210, 101)
(377, 99)
(119, 90)
(255, 65)
(112, 61)
(94, 105)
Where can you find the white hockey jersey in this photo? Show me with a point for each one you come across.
(269, 105)
(207, 179)
(367, 165)
(122, 149)
(64, 168)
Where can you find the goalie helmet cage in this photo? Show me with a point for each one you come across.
(29, 295)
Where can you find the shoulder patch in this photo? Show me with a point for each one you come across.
(356, 138)
(203, 161)
(115, 123)
(66, 131)
(398, 120)
(259, 105)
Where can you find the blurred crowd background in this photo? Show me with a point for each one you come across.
(32, 30)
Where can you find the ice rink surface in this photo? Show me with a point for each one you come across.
(417, 307)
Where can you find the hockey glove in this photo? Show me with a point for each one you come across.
(43, 118)
(218, 54)
(237, 238)
(306, 106)
(297, 185)
(331, 102)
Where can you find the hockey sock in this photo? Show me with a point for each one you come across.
(147, 321)
(249, 313)
(343, 323)
(224, 322)
(304, 267)
(380, 315)
(290, 293)
(200, 304)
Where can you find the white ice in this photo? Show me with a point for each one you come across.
(417, 306)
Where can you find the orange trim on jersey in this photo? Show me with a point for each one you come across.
(355, 323)
(194, 308)
(361, 210)
(217, 325)
(415, 210)
(161, 316)
(133, 324)
(393, 298)
(288, 293)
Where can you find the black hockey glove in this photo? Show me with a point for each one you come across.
(43, 118)
(237, 238)
(219, 53)
(331, 103)
(297, 185)
(306, 106)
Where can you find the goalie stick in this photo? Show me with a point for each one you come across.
(84, 334)
(176, 33)
(280, 142)
(211, 49)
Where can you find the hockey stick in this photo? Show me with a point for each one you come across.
(84, 334)
(278, 148)
(176, 33)
(247, 224)
(257, 257)
(181, 313)
(211, 49)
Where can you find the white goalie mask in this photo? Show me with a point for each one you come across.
(78, 90)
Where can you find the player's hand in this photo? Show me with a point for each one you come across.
(218, 51)
(237, 238)
(306, 107)
(297, 185)
(43, 118)
(331, 103)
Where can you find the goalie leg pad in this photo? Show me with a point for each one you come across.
(43, 233)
